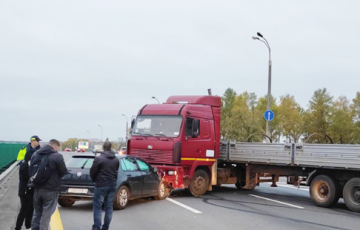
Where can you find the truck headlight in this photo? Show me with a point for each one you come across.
(172, 173)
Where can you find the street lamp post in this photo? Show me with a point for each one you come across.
(126, 137)
(101, 132)
(269, 81)
(89, 135)
(155, 99)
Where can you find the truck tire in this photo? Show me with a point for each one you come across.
(351, 194)
(324, 191)
(199, 183)
(162, 192)
(65, 202)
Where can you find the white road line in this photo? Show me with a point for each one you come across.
(183, 205)
(276, 201)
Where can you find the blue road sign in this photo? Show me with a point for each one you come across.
(269, 115)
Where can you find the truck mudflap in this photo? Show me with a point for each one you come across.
(172, 176)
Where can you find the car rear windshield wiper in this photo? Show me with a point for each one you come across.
(82, 167)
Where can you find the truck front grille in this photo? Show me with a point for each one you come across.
(154, 155)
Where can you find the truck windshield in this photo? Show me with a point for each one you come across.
(167, 126)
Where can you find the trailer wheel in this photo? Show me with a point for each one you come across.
(199, 183)
(324, 191)
(351, 194)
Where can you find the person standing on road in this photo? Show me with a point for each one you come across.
(46, 194)
(26, 194)
(103, 172)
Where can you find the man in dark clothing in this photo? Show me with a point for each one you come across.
(104, 173)
(26, 194)
(46, 194)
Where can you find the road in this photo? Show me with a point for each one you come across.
(285, 207)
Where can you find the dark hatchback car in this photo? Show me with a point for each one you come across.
(136, 179)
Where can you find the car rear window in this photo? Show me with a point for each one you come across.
(78, 162)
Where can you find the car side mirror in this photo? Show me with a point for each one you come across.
(155, 169)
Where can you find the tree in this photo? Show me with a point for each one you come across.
(355, 112)
(71, 143)
(319, 115)
(291, 117)
(342, 126)
(245, 121)
(228, 100)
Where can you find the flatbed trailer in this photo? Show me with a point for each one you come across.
(331, 170)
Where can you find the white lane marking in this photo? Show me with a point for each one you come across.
(276, 201)
(183, 205)
(290, 186)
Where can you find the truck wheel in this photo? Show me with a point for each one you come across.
(324, 191)
(199, 183)
(351, 194)
(162, 192)
(121, 198)
(66, 202)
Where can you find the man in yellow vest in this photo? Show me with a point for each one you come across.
(21, 154)
(26, 195)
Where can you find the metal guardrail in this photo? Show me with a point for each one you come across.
(8, 153)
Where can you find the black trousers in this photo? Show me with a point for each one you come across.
(26, 210)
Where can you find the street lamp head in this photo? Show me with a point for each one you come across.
(259, 34)
(153, 97)
(255, 38)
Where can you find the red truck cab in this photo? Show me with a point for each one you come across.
(181, 138)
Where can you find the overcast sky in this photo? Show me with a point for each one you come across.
(67, 67)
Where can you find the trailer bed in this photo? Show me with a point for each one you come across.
(314, 155)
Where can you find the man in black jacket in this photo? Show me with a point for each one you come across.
(104, 173)
(46, 194)
(26, 194)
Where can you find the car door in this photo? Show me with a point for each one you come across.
(150, 178)
(134, 177)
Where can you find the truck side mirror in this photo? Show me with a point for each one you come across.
(132, 124)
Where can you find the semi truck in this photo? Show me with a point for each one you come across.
(181, 137)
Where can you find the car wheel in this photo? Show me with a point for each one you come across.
(66, 202)
(122, 197)
(162, 192)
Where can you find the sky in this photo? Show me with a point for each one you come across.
(67, 67)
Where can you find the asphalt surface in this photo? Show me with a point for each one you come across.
(284, 207)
